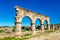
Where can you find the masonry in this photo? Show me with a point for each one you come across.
(21, 12)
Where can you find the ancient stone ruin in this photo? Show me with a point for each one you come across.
(21, 12)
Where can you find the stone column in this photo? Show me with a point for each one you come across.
(53, 26)
(42, 25)
(48, 24)
(33, 28)
(18, 29)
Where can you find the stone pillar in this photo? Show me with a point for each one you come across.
(33, 28)
(18, 29)
(42, 25)
(48, 24)
(53, 27)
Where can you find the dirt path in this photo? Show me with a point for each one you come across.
(50, 36)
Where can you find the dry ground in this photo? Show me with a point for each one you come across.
(3, 35)
(49, 36)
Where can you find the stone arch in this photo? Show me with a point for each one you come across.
(38, 26)
(48, 23)
(28, 25)
(45, 24)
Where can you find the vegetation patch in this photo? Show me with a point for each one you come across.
(1, 31)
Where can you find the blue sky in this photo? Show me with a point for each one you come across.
(50, 8)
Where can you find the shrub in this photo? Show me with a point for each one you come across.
(1, 31)
(13, 30)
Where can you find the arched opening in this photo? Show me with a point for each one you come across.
(26, 23)
(45, 24)
(38, 24)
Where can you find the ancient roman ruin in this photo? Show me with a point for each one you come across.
(21, 12)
